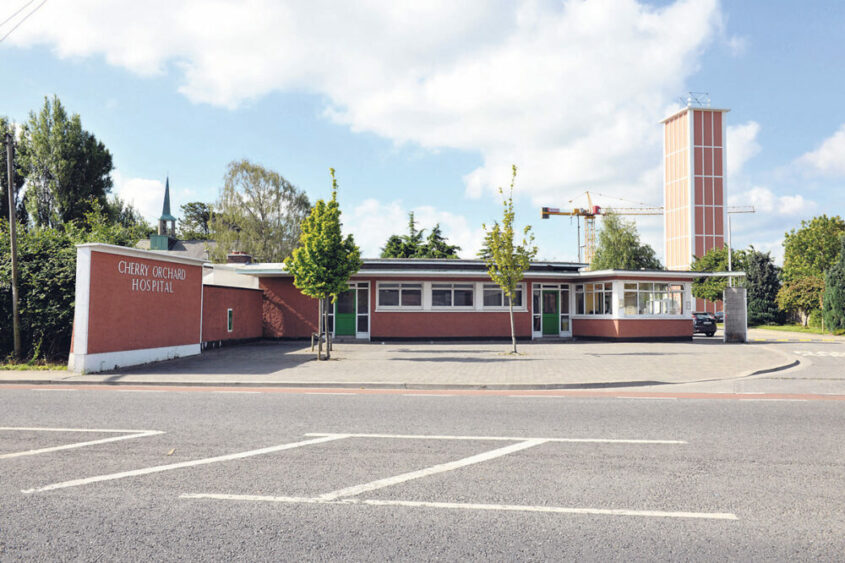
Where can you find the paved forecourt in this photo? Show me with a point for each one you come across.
(452, 364)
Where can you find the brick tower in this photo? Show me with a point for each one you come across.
(694, 187)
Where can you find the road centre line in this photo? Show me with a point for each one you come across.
(193, 463)
(501, 438)
(130, 434)
(433, 470)
(326, 393)
(471, 506)
(67, 390)
(426, 395)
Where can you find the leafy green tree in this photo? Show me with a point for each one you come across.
(716, 260)
(762, 281)
(801, 296)
(66, 167)
(7, 127)
(259, 213)
(416, 245)
(436, 246)
(619, 247)
(813, 248)
(507, 261)
(833, 303)
(324, 261)
(195, 221)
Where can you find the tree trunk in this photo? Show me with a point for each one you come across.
(513, 334)
(320, 332)
(328, 332)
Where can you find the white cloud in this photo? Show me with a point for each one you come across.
(741, 145)
(372, 222)
(829, 158)
(144, 194)
(570, 91)
(766, 202)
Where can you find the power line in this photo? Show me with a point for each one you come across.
(26, 17)
(19, 10)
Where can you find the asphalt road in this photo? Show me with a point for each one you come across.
(205, 474)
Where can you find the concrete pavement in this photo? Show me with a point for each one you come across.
(451, 365)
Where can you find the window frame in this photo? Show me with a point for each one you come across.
(487, 286)
(452, 287)
(230, 320)
(400, 287)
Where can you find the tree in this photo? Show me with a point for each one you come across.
(7, 127)
(508, 262)
(833, 304)
(324, 261)
(436, 246)
(195, 221)
(801, 296)
(619, 247)
(716, 260)
(259, 213)
(813, 248)
(414, 245)
(762, 280)
(66, 167)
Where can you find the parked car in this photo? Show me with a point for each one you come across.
(720, 316)
(704, 323)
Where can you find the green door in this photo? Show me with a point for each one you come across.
(344, 315)
(551, 312)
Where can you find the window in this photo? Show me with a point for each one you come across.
(400, 295)
(451, 294)
(648, 298)
(594, 298)
(493, 296)
(230, 320)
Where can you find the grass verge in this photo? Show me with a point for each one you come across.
(797, 328)
(32, 366)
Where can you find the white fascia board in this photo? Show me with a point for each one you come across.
(138, 253)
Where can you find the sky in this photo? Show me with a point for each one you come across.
(424, 106)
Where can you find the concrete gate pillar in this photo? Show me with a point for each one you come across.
(736, 315)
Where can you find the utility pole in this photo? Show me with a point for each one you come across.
(10, 170)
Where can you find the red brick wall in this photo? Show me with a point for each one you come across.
(632, 328)
(122, 319)
(246, 305)
(431, 324)
(287, 312)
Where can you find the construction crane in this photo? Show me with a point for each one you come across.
(590, 213)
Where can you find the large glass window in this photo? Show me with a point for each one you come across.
(495, 297)
(649, 298)
(594, 298)
(451, 294)
(400, 295)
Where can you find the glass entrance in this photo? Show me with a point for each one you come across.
(551, 312)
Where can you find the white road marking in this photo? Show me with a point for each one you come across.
(651, 398)
(426, 395)
(129, 434)
(238, 392)
(774, 400)
(538, 397)
(433, 470)
(172, 466)
(471, 506)
(65, 390)
(319, 393)
(501, 438)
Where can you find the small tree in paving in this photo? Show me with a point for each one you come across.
(324, 260)
(506, 262)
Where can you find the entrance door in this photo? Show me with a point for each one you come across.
(551, 312)
(344, 319)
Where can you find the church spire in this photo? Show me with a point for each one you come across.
(165, 210)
